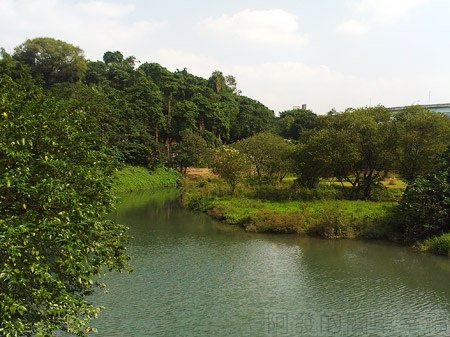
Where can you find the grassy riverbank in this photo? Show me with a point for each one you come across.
(132, 178)
(437, 245)
(322, 214)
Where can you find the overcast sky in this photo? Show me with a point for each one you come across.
(324, 53)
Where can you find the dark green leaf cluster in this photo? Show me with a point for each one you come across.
(270, 155)
(425, 207)
(192, 150)
(54, 193)
(292, 123)
(52, 61)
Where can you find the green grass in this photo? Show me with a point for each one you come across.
(133, 178)
(325, 218)
(437, 245)
(157, 197)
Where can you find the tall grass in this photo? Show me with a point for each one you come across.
(134, 178)
(437, 245)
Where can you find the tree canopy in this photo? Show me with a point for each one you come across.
(419, 137)
(269, 154)
(54, 193)
(51, 60)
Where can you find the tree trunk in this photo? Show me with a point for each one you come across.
(169, 110)
(202, 124)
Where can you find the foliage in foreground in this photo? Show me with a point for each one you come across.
(54, 193)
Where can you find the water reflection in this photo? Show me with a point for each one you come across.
(196, 277)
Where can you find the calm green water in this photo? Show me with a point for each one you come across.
(196, 277)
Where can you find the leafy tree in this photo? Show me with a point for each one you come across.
(217, 82)
(327, 152)
(96, 72)
(269, 154)
(231, 165)
(368, 129)
(252, 118)
(419, 137)
(184, 118)
(224, 107)
(103, 118)
(308, 165)
(192, 150)
(202, 99)
(293, 123)
(424, 210)
(53, 61)
(54, 193)
(113, 57)
(167, 83)
(18, 71)
(230, 81)
(146, 101)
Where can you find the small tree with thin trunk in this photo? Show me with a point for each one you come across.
(231, 165)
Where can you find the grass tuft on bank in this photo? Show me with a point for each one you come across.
(437, 245)
(134, 178)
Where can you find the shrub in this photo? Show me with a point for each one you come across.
(276, 223)
(331, 225)
(424, 210)
(319, 193)
(438, 245)
(230, 165)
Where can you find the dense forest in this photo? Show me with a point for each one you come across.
(139, 109)
(67, 123)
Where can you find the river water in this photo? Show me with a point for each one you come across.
(196, 277)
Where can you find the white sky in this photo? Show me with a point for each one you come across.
(325, 53)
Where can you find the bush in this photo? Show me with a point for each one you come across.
(438, 245)
(331, 225)
(276, 223)
(424, 210)
(296, 192)
(230, 165)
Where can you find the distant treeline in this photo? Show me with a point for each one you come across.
(146, 115)
(142, 112)
(140, 109)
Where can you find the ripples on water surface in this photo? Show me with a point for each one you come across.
(196, 277)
